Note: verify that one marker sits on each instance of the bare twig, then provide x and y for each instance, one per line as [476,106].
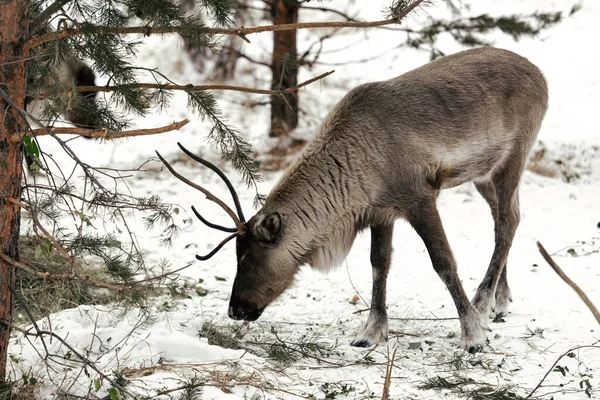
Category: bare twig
[37,223]
[402,333]
[42,333]
[556,362]
[105,133]
[388,374]
[569,282]
[161,276]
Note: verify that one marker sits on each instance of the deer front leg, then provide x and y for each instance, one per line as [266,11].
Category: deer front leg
[425,219]
[376,328]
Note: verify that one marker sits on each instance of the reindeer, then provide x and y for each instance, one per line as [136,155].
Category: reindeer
[384,152]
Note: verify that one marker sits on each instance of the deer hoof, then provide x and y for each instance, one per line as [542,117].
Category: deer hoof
[375,331]
[475,349]
[473,331]
[502,302]
[360,343]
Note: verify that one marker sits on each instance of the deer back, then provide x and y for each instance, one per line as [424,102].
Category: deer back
[453,120]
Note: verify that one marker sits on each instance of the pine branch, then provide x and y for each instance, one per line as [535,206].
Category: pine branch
[85,279]
[197,88]
[103,133]
[242,32]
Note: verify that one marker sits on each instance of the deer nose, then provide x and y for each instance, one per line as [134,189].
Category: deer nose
[243,310]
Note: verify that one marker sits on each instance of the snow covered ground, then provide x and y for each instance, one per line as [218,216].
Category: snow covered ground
[547,318]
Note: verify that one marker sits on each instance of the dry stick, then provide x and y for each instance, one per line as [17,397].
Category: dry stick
[402,333]
[569,282]
[556,362]
[104,133]
[370,351]
[166,274]
[388,374]
[37,223]
[241,31]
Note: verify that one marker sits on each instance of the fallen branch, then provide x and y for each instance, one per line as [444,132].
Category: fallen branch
[388,374]
[569,282]
[85,279]
[71,276]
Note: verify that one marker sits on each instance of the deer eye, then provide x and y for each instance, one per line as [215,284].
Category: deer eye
[244,263]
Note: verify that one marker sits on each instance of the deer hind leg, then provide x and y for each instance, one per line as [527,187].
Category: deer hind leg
[376,328]
[425,219]
[499,306]
[503,296]
[501,192]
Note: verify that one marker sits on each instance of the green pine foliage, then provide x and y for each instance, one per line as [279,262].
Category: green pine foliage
[91,32]
[473,31]
[108,51]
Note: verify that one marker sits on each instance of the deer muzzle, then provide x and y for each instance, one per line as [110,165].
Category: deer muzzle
[243,310]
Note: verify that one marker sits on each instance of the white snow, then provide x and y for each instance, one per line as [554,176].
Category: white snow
[161,349]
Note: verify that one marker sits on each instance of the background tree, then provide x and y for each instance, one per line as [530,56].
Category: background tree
[284,114]
[12,78]
[286,58]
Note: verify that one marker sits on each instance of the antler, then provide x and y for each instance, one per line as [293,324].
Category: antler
[210,224]
[214,251]
[239,221]
[236,199]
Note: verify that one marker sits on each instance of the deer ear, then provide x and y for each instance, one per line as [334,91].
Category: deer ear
[269,228]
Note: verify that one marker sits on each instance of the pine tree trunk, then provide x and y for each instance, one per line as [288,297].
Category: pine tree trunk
[283,120]
[12,81]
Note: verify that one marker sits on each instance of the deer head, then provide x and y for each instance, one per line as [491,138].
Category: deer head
[264,268]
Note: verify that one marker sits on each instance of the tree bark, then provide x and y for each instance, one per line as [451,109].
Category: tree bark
[284,119]
[12,81]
